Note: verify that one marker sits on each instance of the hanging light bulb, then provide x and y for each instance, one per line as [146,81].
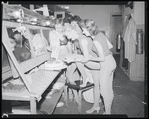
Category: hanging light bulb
[47,23]
[17,14]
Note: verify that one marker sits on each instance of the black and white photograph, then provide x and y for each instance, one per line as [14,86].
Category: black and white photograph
[78,59]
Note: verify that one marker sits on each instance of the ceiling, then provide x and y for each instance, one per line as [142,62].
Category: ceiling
[72,2]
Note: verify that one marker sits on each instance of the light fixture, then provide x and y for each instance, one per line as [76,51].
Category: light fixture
[65,7]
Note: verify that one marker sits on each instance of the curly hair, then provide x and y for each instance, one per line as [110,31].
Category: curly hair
[71,27]
[59,21]
[91,27]
[67,20]
[82,23]
[76,18]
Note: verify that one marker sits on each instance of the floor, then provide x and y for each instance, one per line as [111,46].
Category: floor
[128,98]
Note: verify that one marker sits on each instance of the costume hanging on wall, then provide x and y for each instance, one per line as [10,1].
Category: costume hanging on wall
[130,40]
[55,43]
[38,44]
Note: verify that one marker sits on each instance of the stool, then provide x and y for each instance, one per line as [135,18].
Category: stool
[79,92]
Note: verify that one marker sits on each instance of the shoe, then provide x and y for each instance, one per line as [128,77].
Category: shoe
[60,104]
[84,82]
[92,110]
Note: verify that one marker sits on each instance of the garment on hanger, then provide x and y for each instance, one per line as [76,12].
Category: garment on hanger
[54,43]
[127,18]
[130,40]
[38,45]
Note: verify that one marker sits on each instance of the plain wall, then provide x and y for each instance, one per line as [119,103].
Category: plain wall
[99,13]
[139,12]
[136,68]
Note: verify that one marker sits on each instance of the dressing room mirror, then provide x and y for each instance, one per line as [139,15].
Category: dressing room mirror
[37,41]
[6,70]
[19,44]
[5,62]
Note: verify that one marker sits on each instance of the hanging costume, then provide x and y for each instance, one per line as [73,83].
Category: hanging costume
[130,40]
[54,43]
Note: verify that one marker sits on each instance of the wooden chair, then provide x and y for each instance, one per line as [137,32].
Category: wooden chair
[79,90]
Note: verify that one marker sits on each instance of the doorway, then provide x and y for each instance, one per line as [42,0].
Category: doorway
[116,23]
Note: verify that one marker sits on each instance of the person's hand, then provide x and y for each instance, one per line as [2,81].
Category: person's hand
[49,48]
[83,60]
[52,59]
[68,60]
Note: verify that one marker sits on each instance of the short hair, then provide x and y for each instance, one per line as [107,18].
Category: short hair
[89,23]
[82,23]
[91,26]
[71,27]
[76,18]
[66,20]
[58,21]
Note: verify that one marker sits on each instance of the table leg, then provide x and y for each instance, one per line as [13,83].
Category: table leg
[66,96]
[79,101]
[33,105]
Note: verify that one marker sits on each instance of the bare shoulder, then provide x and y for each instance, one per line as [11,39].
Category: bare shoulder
[100,34]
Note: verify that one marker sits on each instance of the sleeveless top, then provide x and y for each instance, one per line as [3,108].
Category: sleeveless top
[89,45]
[100,37]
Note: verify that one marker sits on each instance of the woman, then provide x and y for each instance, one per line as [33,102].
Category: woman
[108,66]
[60,45]
[71,66]
[58,42]
[74,32]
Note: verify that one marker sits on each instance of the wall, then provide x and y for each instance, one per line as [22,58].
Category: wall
[139,12]
[99,13]
[136,68]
